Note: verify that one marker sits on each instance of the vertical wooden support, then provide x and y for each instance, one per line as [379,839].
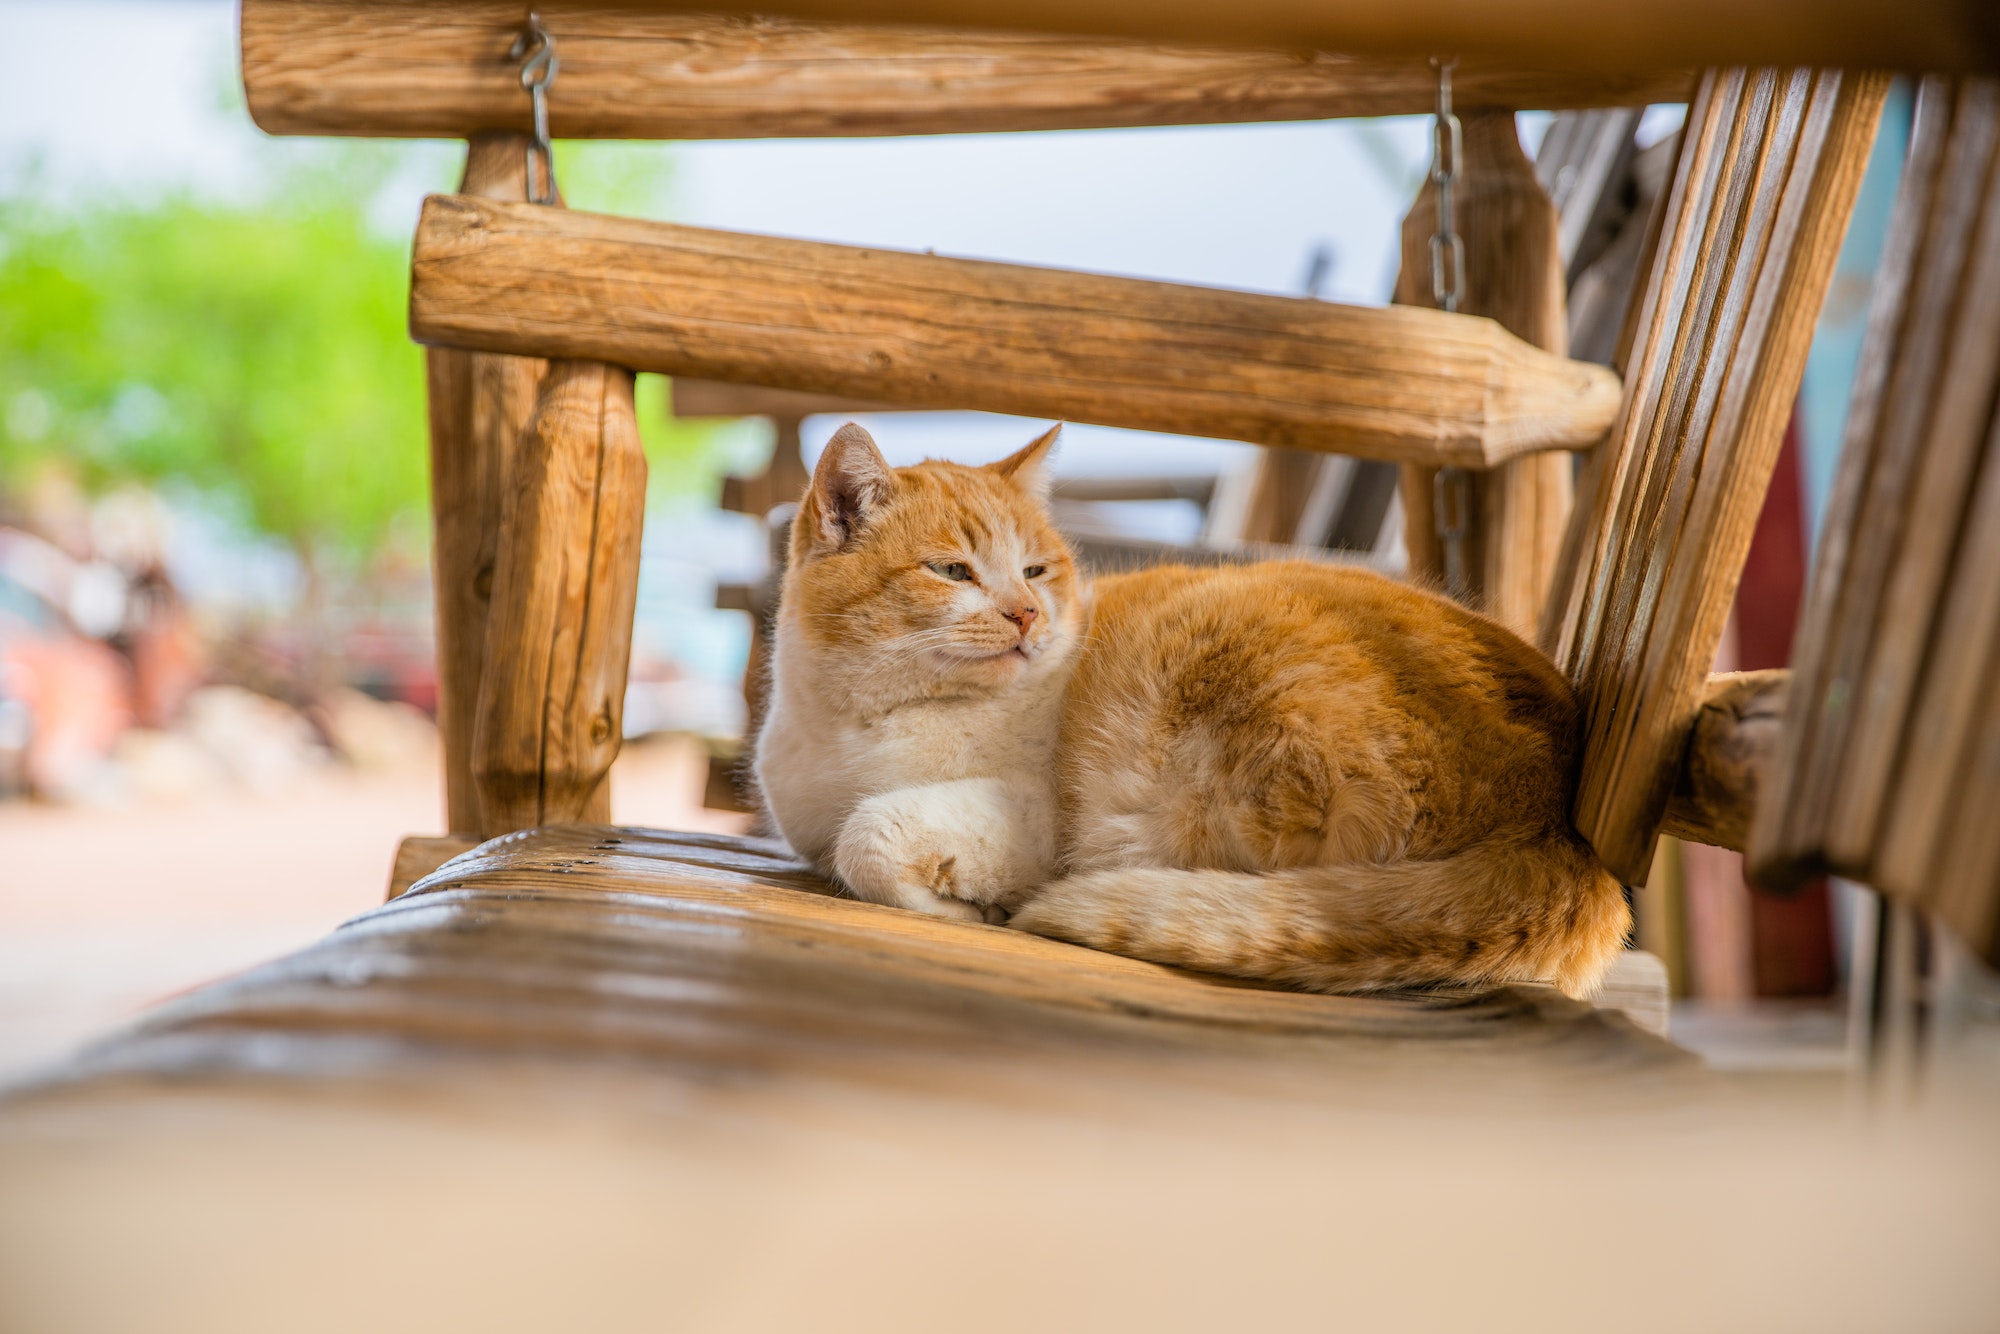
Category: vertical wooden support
[1768,169]
[479,402]
[559,635]
[1513,517]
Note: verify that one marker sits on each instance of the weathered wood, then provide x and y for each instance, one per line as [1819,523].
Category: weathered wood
[1397,384]
[413,68]
[1954,35]
[1729,751]
[479,401]
[1584,159]
[1890,768]
[552,701]
[418,855]
[1513,517]
[1767,173]
[715,398]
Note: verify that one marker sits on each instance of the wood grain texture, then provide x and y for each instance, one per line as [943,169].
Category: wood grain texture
[416,68]
[1640,35]
[1767,173]
[1789,833]
[715,398]
[1890,768]
[1729,751]
[923,330]
[420,854]
[726,956]
[479,401]
[551,704]
[1514,267]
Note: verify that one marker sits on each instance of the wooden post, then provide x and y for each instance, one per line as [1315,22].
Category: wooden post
[479,401]
[1513,517]
[559,636]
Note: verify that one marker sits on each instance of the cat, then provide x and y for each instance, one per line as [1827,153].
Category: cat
[1291,772]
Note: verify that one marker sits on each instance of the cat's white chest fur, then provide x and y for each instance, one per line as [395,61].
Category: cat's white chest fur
[951,797]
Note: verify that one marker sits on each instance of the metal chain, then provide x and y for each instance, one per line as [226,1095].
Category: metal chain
[1451,489]
[536,51]
[1447,151]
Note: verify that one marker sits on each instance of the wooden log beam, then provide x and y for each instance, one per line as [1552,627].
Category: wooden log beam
[1729,751]
[552,701]
[440,67]
[1398,384]
[1767,173]
[1946,35]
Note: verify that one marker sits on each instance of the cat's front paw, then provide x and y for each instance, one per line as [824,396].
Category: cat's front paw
[885,857]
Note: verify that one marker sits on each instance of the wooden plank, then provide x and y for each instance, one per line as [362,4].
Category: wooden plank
[415,68]
[552,701]
[1514,516]
[1397,384]
[1928,849]
[479,401]
[1767,175]
[1947,35]
[1729,751]
[1789,832]
[1890,767]
[1584,160]
[1942,433]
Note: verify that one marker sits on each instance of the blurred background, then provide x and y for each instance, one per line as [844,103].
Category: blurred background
[216,660]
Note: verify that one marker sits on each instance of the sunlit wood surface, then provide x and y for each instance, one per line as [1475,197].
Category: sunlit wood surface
[602,1078]
[636,944]
[1398,383]
[441,68]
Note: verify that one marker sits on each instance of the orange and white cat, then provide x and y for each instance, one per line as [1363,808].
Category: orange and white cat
[1289,771]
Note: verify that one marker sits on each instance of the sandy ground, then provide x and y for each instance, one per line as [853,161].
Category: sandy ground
[106,910]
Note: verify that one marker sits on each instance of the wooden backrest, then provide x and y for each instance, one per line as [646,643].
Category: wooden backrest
[1768,169]
[1889,766]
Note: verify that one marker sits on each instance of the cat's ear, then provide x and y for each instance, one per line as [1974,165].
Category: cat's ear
[1028,468]
[850,483]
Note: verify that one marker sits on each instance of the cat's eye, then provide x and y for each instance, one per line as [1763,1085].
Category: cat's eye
[956,570]
[1035,571]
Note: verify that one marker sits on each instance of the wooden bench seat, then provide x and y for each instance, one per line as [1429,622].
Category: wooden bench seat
[677,950]
[607,1078]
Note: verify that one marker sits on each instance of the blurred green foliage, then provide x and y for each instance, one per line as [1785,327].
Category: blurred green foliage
[257,350]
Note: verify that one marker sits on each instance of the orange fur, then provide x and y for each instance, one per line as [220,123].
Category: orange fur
[1288,771]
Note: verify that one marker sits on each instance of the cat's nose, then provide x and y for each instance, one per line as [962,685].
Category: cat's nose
[1023,616]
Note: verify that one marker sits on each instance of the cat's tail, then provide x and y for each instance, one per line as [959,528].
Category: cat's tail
[1488,915]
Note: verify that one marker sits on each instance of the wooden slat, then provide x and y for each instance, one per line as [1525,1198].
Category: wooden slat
[1514,516]
[479,402]
[1767,174]
[552,702]
[1568,34]
[1958,304]
[1791,825]
[1890,771]
[1395,384]
[440,67]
